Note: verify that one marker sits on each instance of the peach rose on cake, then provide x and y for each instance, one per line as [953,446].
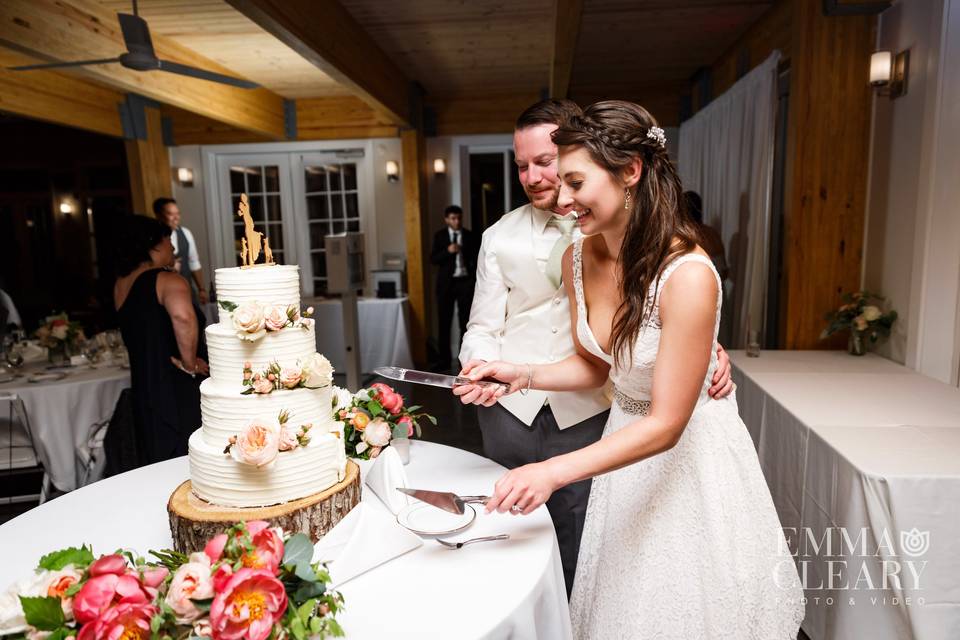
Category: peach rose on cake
[258,444]
[249,322]
[288,439]
[192,581]
[275,318]
[290,377]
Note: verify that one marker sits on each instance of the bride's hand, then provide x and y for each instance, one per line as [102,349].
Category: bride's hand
[487,395]
[527,487]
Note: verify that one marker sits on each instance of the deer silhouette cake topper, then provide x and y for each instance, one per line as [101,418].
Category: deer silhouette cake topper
[253,240]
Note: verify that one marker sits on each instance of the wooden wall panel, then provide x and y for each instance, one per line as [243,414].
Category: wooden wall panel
[487,113]
[148,162]
[829,143]
[771,32]
[414,175]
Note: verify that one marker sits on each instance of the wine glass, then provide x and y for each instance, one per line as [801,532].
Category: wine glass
[91,351]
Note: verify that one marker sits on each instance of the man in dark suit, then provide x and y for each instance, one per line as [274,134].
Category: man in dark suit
[455,251]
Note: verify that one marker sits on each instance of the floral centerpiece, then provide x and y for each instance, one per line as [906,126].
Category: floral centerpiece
[373,417]
[862,318]
[60,335]
[249,583]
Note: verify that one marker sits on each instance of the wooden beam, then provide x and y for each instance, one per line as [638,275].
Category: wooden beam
[58,98]
[414,175]
[83,29]
[828,145]
[463,115]
[148,162]
[565,32]
[325,33]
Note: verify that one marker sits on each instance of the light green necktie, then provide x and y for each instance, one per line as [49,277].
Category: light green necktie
[554,270]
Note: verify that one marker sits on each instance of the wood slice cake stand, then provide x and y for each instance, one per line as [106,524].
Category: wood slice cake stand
[194,521]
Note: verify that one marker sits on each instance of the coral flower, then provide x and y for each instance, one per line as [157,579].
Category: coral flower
[247,606]
[127,621]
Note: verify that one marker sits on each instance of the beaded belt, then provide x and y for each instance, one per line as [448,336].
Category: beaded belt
[630,405]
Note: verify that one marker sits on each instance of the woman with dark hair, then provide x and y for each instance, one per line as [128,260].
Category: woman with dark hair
[160,331]
[681,538]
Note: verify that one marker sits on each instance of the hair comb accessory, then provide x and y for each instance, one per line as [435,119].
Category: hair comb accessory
[657,134]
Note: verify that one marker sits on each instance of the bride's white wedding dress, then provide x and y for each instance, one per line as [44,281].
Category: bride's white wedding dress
[685,544]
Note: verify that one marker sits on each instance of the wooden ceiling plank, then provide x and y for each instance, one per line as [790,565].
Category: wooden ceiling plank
[325,33]
[566,31]
[82,29]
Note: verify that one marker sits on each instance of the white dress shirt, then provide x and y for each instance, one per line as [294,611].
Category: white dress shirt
[456,237]
[519,316]
[193,258]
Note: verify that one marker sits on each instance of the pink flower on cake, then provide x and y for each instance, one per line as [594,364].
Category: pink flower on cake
[377,433]
[317,372]
[258,444]
[288,439]
[127,620]
[290,377]
[249,322]
[262,385]
[276,318]
[388,398]
[248,606]
[191,582]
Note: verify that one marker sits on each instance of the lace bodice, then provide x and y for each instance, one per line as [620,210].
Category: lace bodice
[636,381]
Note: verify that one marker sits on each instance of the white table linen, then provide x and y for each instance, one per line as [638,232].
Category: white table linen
[496,590]
[62,414]
[384,337]
[866,446]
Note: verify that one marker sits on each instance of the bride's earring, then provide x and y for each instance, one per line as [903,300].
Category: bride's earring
[626,199]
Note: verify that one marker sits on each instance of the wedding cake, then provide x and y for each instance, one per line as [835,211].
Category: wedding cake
[268,436]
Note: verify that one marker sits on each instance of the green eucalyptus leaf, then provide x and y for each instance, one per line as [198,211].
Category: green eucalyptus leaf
[298,550]
[309,590]
[227,306]
[305,572]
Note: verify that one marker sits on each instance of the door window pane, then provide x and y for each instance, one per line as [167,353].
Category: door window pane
[349,176]
[316,178]
[272,179]
[317,208]
[333,206]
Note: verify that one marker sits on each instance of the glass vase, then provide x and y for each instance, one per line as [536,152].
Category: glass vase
[57,353]
[856,343]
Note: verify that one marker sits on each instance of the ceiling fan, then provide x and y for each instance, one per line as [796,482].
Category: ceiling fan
[141,57]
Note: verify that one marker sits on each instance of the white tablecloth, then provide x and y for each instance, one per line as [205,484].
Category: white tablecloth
[497,590]
[384,339]
[866,447]
[62,414]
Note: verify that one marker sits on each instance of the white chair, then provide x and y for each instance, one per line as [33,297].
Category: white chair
[91,458]
[18,455]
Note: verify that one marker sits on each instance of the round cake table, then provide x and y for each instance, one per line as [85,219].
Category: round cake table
[504,589]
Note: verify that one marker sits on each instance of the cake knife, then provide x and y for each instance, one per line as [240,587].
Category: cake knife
[432,379]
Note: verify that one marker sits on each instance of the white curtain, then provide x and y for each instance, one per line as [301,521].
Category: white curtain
[726,155]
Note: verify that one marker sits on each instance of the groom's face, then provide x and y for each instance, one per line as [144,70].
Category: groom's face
[536,158]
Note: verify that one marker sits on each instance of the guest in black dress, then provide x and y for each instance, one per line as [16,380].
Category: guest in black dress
[160,330]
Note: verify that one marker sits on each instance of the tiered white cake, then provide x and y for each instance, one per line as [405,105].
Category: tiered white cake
[215,475]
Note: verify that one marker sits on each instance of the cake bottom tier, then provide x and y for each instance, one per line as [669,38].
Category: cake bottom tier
[194,521]
[220,480]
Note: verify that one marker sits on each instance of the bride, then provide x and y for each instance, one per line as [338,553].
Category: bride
[681,537]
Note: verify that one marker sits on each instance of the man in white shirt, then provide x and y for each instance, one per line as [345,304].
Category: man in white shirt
[187,260]
[520,313]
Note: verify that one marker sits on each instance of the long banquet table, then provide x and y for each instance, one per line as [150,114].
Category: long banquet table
[862,457]
[497,590]
[62,413]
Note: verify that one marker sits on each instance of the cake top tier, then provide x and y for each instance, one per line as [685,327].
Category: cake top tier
[274,284]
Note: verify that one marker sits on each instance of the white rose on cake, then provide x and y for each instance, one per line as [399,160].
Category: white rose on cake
[317,372]
[249,322]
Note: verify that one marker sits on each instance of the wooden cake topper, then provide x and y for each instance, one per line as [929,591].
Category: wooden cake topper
[250,244]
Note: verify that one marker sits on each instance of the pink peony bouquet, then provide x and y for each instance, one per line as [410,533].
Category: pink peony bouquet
[249,583]
[373,417]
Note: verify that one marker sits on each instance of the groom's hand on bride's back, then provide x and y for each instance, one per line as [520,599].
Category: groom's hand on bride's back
[486,395]
[722,384]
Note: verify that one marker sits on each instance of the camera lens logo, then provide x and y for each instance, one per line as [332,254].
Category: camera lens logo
[914,542]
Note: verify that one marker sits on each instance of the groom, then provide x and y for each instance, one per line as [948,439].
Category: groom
[520,313]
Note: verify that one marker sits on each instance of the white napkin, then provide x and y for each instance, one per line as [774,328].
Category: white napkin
[385,475]
[363,540]
[33,352]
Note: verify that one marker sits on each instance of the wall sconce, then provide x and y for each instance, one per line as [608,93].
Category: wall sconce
[393,171]
[185,177]
[889,73]
[66,207]
[439,166]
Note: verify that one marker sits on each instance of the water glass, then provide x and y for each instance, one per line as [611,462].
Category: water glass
[753,344]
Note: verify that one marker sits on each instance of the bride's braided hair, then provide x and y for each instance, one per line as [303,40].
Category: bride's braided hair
[615,133]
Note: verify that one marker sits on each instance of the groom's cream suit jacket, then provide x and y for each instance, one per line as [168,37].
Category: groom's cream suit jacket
[519,316]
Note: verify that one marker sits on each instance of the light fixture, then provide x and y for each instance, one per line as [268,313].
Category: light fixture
[185,176]
[66,207]
[439,166]
[393,171]
[888,73]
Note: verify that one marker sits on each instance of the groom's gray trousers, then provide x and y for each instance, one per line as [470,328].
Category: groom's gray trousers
[508,441]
